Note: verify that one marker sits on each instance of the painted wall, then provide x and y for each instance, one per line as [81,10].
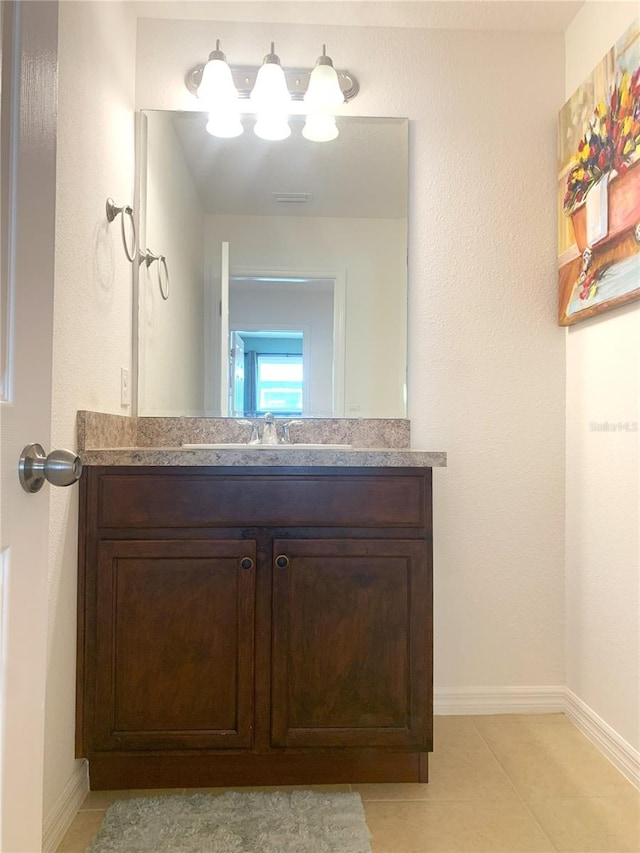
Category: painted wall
[486,358]
[92,312]
[371,256]
[603,467]
[171,331]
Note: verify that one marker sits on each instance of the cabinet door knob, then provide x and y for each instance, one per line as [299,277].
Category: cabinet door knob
[246,563]
[282,561]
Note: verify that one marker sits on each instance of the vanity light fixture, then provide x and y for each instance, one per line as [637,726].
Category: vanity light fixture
[271,90]
[322,98]
[218,91]
[271,99]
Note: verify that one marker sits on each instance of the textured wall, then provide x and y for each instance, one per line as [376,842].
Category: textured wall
[92,312]
[485,356]
[603,467]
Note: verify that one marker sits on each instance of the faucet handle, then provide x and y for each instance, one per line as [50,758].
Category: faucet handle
[286,438]
[254,431]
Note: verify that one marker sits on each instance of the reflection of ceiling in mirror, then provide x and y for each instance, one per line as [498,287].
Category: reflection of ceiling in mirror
[361,174]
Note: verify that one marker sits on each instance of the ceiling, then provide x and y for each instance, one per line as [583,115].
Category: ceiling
[511,15]
[361,174]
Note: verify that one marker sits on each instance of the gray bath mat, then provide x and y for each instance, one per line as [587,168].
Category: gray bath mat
[296,822]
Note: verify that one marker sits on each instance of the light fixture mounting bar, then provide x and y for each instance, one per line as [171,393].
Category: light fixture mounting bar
[244,78]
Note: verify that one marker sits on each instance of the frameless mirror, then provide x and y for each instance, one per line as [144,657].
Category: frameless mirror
[287,277]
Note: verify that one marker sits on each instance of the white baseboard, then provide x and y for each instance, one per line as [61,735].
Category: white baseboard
[620,753]
[500,700]
[61,816]
[544,700]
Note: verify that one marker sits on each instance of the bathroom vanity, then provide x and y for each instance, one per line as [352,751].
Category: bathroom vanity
[254,624]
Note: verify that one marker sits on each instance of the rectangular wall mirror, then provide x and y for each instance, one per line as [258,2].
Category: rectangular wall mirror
[287,270]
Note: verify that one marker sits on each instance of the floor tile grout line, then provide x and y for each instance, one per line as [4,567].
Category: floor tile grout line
[515,788]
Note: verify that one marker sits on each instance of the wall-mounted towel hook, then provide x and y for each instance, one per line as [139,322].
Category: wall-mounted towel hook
[112,211]
[147,257]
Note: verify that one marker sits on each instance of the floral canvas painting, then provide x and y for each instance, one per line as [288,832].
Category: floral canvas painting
[599,187]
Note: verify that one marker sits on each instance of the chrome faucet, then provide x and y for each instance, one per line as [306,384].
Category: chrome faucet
[269,431]
[286,438]
[254,431]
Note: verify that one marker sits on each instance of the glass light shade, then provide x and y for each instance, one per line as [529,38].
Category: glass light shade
[320,128]
[270,92]
[225,125]
[324,94]
[216,85]
[272,126]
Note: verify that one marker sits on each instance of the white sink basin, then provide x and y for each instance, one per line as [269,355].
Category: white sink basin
[231,446]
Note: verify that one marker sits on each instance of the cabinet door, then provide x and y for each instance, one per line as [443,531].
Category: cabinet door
[174,645]
[352,654]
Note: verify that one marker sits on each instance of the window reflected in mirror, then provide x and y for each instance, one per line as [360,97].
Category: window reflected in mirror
[267,373]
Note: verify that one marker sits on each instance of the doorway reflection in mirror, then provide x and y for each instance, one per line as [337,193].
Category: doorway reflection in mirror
[283,346]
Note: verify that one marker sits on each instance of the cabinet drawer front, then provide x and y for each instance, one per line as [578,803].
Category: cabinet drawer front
[351,500]
[351,644]
[174,645]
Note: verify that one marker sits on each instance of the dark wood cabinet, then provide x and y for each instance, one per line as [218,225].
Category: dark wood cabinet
[254,626]
[348,666]
[174,645]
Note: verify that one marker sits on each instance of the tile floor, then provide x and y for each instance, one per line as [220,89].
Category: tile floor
[501,784]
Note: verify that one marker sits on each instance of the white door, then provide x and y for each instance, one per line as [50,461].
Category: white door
[27,189]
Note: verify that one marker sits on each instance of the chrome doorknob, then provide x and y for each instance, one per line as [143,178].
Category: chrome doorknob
[60,468]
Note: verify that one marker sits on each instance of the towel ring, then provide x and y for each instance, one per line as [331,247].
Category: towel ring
[148,258]
[112,211]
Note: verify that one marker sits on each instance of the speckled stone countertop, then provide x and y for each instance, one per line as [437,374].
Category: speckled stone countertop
[105,439]
[277,456]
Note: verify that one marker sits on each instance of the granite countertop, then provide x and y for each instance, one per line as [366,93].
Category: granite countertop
[105,439]
[283,456]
